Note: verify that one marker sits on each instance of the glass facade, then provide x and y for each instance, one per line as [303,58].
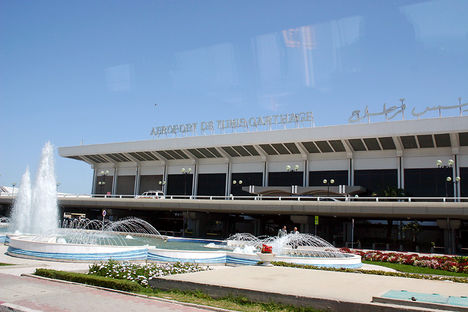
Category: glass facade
[464,182]
[316,177]
[179,184]
[253,178]
[428,182]
[375,181]
[126,185]
[104,184]
[150,182]
[285,178]
[212,184]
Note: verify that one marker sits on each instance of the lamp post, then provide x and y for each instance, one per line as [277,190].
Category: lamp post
[327,183]
[449,180]
[102,183]
[161,184]
[238,182]
[58,184]
[440,164]
[13,191]
[291,170]
[185,172]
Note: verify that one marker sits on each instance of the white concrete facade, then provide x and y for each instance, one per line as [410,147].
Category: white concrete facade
[445,137]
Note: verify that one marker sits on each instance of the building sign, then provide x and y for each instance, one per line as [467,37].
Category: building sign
[243,124]
[392,111]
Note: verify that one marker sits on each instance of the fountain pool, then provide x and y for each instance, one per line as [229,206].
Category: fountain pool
[35,233]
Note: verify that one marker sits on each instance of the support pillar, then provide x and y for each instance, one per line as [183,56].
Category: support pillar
[195,180]
[95,175]
[165,178]
[137,181]
[115,181]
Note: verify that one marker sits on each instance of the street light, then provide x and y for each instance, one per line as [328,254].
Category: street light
[161,184]
[449,180]
[13,191]
[327,183]
[235,182]
[440,164]
[291,170]
[58,184]
[185,173]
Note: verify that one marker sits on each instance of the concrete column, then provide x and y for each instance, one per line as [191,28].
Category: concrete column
[351,172]
[115,180]
[195,179]
[456,173]
[165,178]
[399,173]
[258,227]
[306,173]
[265,174]
[228,179]
[137,181]
[93,187]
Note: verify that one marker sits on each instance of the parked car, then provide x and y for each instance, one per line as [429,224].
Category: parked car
[152,195]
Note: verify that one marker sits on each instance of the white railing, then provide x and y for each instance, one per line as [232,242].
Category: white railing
[328,199]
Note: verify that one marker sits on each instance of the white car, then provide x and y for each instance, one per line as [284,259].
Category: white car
[152,195]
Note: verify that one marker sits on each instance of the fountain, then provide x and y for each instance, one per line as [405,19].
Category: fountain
[36,235]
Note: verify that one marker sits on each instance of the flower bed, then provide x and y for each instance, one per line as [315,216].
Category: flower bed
[446,263]
[141,273]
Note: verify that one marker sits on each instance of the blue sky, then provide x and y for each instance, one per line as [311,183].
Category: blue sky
[91,71]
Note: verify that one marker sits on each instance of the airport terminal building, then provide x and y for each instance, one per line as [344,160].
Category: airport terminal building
[400,154]
[423,157]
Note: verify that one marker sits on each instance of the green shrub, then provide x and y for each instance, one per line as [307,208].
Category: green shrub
[90,280]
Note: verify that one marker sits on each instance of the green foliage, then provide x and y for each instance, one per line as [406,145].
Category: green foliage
[90,280]
[392,191]
[376,272]
[141,273]
[415,269]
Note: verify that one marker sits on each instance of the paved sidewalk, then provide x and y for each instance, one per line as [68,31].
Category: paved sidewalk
[313,284]
[43,295]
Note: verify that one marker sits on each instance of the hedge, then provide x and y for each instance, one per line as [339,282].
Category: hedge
[101,281]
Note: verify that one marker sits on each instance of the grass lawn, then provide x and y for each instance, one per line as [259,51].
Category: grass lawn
[415,269]
[231,303]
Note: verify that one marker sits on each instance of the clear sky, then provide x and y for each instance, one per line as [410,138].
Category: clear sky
[91,71]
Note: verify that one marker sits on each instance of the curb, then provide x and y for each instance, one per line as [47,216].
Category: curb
[325,304]
[193,305]
[11,307]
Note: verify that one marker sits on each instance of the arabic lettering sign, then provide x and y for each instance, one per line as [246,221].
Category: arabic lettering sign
[238,123]
[392,111]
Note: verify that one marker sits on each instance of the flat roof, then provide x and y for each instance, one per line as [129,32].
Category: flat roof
[349,138]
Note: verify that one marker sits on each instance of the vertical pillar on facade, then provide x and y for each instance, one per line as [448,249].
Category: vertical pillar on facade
[306,173]
[137,181]
[195,179]
[228,179]
[93,187]
[399,172]
[115,180]
[456,173]
[164,188]
[265,174]
[351,172]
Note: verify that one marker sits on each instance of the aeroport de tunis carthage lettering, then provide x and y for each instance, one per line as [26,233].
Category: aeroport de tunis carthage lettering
[238,123]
